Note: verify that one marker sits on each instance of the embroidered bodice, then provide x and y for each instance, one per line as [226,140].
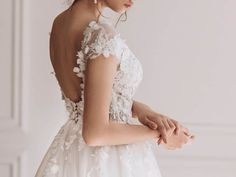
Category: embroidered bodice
[102,38]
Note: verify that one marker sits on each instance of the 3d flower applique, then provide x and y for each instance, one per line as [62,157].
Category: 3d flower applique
[76,69]
[81,64]
[87,36]
[86,49]
[80,55]
[94,25]
[82,67]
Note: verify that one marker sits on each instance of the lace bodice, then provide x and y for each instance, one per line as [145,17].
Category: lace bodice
[102,38]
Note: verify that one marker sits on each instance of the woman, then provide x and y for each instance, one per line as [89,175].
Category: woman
[98,75]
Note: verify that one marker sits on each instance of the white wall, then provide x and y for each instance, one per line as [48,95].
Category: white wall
[12,137]
[188,57]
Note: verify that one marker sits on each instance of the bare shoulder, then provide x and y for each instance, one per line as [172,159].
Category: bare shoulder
[58,19]
[69,26]
[56,23]
[68,21]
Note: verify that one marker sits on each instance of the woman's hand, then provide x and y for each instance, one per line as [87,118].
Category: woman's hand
[154,120]
[177,141]
[164,124]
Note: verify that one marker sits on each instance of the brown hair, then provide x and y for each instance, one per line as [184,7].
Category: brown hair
[102,15]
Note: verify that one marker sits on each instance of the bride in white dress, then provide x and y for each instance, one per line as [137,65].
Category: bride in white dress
[108,133]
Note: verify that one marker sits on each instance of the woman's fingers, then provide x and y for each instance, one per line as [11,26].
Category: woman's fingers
[159,126]
[186,130]
[172,126]
[186,133]
[166,124]
[192,138]
[162,130]
[177,126]
[166,128]
[169,130]
[151,124]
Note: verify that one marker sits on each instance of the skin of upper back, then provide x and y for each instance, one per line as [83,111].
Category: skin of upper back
[65,41]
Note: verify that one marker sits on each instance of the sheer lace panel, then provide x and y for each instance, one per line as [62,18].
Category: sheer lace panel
[99,39]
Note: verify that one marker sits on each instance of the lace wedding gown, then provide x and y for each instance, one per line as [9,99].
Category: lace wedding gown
[68,155]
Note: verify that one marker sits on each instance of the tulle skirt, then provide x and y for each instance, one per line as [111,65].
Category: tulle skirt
[69,156]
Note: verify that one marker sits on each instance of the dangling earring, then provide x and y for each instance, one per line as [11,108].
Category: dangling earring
[95,1]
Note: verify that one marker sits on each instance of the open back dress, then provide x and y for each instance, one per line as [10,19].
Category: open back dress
[68,155]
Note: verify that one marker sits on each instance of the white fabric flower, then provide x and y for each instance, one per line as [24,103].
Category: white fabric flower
[86,49]
[80,54]
[76,69]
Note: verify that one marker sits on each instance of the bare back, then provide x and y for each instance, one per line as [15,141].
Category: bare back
[65,41]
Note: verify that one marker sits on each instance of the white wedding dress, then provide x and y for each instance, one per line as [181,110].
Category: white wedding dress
[68,155]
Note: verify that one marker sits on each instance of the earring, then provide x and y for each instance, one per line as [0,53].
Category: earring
[95,1]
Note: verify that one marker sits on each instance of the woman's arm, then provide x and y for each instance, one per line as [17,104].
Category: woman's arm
[117,133]
[98,130]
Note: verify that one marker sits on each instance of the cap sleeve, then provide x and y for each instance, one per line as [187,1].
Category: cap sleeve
[101,39]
